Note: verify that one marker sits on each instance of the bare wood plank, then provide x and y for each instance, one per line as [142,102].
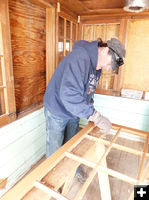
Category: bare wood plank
[3,183]
[50,43]
[65,36]
[124,14]
[130,130]
[117,146]
[120,176]
[71,35]
[111,172]
[49,191]
[93,173]
[6,119]
[143,158]
[68,183]
[67,16]
[42,3]
[6,43]
[103,178]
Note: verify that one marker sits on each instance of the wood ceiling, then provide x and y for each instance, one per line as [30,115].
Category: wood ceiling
[85,7]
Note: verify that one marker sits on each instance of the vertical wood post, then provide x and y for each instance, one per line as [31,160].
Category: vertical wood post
[50,43]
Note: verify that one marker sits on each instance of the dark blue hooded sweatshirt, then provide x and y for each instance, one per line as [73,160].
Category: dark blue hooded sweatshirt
[70,90]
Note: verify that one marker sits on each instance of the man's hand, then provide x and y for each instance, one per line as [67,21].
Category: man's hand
[102,122]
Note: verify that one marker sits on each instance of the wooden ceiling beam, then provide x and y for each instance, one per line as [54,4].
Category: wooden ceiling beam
[112,11]
[74,6]
[42,3]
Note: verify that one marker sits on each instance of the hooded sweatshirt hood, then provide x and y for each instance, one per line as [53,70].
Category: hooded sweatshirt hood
[91,48]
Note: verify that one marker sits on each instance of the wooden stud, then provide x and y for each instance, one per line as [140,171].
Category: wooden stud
[65,36]
[50,43]
[71,35]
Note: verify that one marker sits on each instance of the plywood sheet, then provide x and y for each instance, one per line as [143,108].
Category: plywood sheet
[27,23]
[137,60]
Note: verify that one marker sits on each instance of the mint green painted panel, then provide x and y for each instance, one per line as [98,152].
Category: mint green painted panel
[14,131]
[16,148]
[123,111]
[124,104]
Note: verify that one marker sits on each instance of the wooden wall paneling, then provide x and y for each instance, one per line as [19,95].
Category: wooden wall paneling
[28,37]
[88,32]
[118,80]
[100,31]
[112,30]
[50,43]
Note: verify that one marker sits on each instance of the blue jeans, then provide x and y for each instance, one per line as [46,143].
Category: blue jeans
[58,131]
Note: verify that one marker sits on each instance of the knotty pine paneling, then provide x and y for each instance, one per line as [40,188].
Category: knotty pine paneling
[28,37]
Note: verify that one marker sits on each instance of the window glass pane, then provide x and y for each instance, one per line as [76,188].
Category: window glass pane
[67,46]
[74,32]
[61,28]
[68,30]
[2,102]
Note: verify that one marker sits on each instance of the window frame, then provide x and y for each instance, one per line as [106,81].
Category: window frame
[72,21]
[7,67]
